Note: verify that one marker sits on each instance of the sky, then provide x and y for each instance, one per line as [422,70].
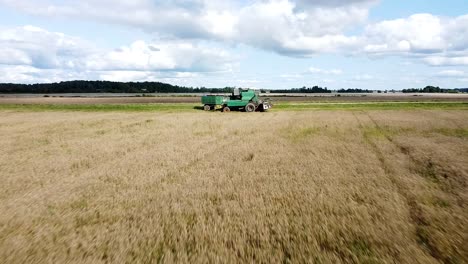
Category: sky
[269,44]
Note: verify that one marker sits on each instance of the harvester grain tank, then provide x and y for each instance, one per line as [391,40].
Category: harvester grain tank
[241,99]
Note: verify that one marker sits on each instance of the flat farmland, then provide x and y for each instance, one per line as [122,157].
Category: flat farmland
[323,186]
[195,98]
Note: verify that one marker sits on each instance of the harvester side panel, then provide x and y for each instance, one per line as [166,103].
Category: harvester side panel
[212,100]
[237,103]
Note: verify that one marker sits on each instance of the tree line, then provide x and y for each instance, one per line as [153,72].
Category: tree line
[128,87]
[431,89]
[318,89]
[105,87]
[354,90]
[159,87]
[314,89]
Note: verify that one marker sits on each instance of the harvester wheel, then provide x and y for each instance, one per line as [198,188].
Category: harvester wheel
[250,108]
[226,109]
[207,108]
[261,108]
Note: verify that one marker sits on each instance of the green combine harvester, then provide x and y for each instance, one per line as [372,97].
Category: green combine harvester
[247,100]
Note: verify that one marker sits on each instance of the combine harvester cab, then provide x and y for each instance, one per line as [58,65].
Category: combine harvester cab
[247,100]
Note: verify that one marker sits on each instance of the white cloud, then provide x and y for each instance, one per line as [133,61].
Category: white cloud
[436,40]
[185,31]
[32,54]
[313,70]
[125,76]
[37,47]
[446,60]
[291,76]
[363,77]
[14,73]
[292,27]
[186,75]
[180,18]
[30,74]
[136,76]
[452,73]
[420,33]
[163,56]
[279,26]
[14,56]
[220,23]
[315,3]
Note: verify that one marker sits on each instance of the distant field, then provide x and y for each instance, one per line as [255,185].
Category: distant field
[195,98]
[362,186]
[278,106]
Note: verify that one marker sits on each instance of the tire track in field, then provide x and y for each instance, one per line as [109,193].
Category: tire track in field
[426,169]
[446,179]
[414,209]
[40,195]
[171,176]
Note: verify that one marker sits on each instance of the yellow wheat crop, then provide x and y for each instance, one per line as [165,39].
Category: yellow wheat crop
[309,186]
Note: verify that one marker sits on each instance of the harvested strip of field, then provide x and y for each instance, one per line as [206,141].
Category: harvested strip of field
[101,100]
[195,98]
[371,105]
[101,107]
[196,107]
[285,186]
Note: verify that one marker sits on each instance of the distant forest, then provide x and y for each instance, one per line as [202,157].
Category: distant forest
[315,89]
[133,87]
[354,91]
[433,89]
[158,87]
[105,87]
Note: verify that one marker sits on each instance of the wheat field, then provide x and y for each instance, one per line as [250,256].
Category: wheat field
[196,187]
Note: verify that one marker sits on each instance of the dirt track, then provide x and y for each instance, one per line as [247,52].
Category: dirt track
[8,99]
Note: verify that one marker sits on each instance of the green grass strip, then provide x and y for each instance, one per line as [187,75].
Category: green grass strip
[372,106]
[184,107]
[99,107]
